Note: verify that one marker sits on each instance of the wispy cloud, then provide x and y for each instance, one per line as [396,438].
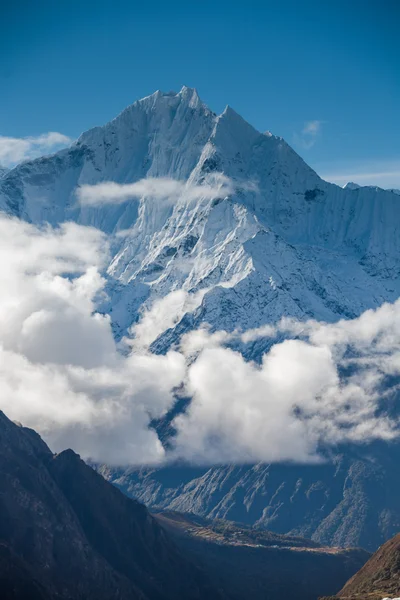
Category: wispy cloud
[308,135]
[160,188]
[15,150]
[311,128]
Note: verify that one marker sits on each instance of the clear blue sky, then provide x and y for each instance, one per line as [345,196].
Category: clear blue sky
[325,74]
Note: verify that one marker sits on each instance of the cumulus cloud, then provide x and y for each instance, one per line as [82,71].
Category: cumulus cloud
[15,150]
[159,188]
[309,134]
[61,372]
[326,387]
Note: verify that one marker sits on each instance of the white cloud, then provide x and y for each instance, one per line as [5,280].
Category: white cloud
[311,128]
[299,397]
[308,135]
[15,150]
[365,178]
[241,413]
[160,188]
[383,179]
[60,371]
[251,335]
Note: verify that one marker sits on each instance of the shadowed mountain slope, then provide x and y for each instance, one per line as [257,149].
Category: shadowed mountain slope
[66,533]
[349,501]
[260,565]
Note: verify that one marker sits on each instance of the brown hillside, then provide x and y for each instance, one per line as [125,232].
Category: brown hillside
[379,578]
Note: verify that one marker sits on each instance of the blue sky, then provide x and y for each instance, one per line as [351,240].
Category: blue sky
[325,74]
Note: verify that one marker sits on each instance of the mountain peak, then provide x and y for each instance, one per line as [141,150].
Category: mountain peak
[186,95]
[232,134]
[191,96]
[350,185]
[237,124]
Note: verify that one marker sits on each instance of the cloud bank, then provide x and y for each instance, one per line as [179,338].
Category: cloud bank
[15,150]
[61,372]
[328,386]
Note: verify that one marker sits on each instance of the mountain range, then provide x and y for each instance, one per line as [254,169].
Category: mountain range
[256,236]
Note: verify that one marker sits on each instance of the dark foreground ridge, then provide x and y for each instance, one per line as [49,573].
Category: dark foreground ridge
[68,534]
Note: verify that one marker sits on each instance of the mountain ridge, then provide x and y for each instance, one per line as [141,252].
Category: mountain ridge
[66,533]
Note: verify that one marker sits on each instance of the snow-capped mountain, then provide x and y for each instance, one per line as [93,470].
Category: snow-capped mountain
[281,242]
[272,239]
[350,185]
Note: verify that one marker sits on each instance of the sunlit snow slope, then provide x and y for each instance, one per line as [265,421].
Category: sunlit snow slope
[283,242]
